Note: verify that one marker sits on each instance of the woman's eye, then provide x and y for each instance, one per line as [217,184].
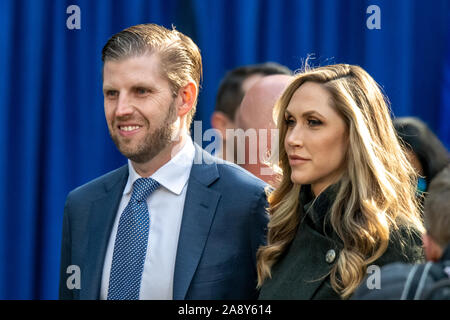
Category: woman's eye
[314,122]
[289,122]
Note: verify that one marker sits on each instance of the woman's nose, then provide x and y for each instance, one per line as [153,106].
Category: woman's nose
[294,138]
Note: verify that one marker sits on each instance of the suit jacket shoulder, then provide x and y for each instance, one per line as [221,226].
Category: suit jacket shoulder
[96,188]
[228,172]
[88,217]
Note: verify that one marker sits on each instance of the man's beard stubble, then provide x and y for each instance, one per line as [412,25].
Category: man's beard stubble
[153,143]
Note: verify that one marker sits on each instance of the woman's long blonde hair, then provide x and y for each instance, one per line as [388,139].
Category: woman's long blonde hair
[377,190]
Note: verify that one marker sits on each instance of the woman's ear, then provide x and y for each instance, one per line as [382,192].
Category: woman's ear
[188,95]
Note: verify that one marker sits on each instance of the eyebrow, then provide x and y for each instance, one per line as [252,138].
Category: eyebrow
[133,87]
[306,113]
[107,87]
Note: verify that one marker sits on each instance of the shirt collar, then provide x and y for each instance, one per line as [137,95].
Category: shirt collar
[173,175]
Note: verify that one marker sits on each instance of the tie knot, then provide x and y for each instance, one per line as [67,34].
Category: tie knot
[143,187]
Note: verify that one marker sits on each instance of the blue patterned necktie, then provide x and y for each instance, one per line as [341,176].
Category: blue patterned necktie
[130,246]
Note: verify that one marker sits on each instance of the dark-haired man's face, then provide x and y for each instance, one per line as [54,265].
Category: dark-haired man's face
[139,107]
[246,85]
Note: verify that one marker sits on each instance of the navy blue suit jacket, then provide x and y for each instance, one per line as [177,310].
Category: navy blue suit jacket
[224,222]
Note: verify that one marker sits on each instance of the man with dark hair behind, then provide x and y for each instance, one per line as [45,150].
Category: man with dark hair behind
[425,151]
[421,281]
[231,92]
[255,114]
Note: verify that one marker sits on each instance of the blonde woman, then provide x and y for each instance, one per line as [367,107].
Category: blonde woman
[346,199]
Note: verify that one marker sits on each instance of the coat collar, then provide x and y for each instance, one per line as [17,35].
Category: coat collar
[316,210]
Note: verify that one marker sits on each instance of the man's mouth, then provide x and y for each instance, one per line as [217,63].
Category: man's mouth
[128,128]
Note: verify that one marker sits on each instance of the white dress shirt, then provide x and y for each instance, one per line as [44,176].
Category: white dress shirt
[166,210]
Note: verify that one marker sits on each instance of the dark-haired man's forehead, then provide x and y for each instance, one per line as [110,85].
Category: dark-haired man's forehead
[250,81]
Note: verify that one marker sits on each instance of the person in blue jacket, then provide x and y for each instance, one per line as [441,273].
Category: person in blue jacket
[174,222]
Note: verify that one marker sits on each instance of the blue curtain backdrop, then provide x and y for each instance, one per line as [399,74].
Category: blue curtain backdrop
[53,136]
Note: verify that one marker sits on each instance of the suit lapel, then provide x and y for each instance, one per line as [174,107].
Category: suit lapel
[101,220]
[198,214]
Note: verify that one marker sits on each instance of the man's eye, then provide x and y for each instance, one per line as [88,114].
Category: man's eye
[142,91]
[111,93]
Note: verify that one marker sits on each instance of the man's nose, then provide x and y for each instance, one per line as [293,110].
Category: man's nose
[124,106]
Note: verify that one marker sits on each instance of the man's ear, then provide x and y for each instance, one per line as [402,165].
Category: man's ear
[221,122]
[188,95]
[433,251]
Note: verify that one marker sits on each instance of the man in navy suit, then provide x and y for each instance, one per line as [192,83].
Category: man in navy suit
[175,222]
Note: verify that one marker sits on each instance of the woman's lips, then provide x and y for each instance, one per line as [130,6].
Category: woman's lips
[297,160]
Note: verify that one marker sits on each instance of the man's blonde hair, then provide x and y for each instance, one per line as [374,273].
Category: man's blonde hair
[181,61]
